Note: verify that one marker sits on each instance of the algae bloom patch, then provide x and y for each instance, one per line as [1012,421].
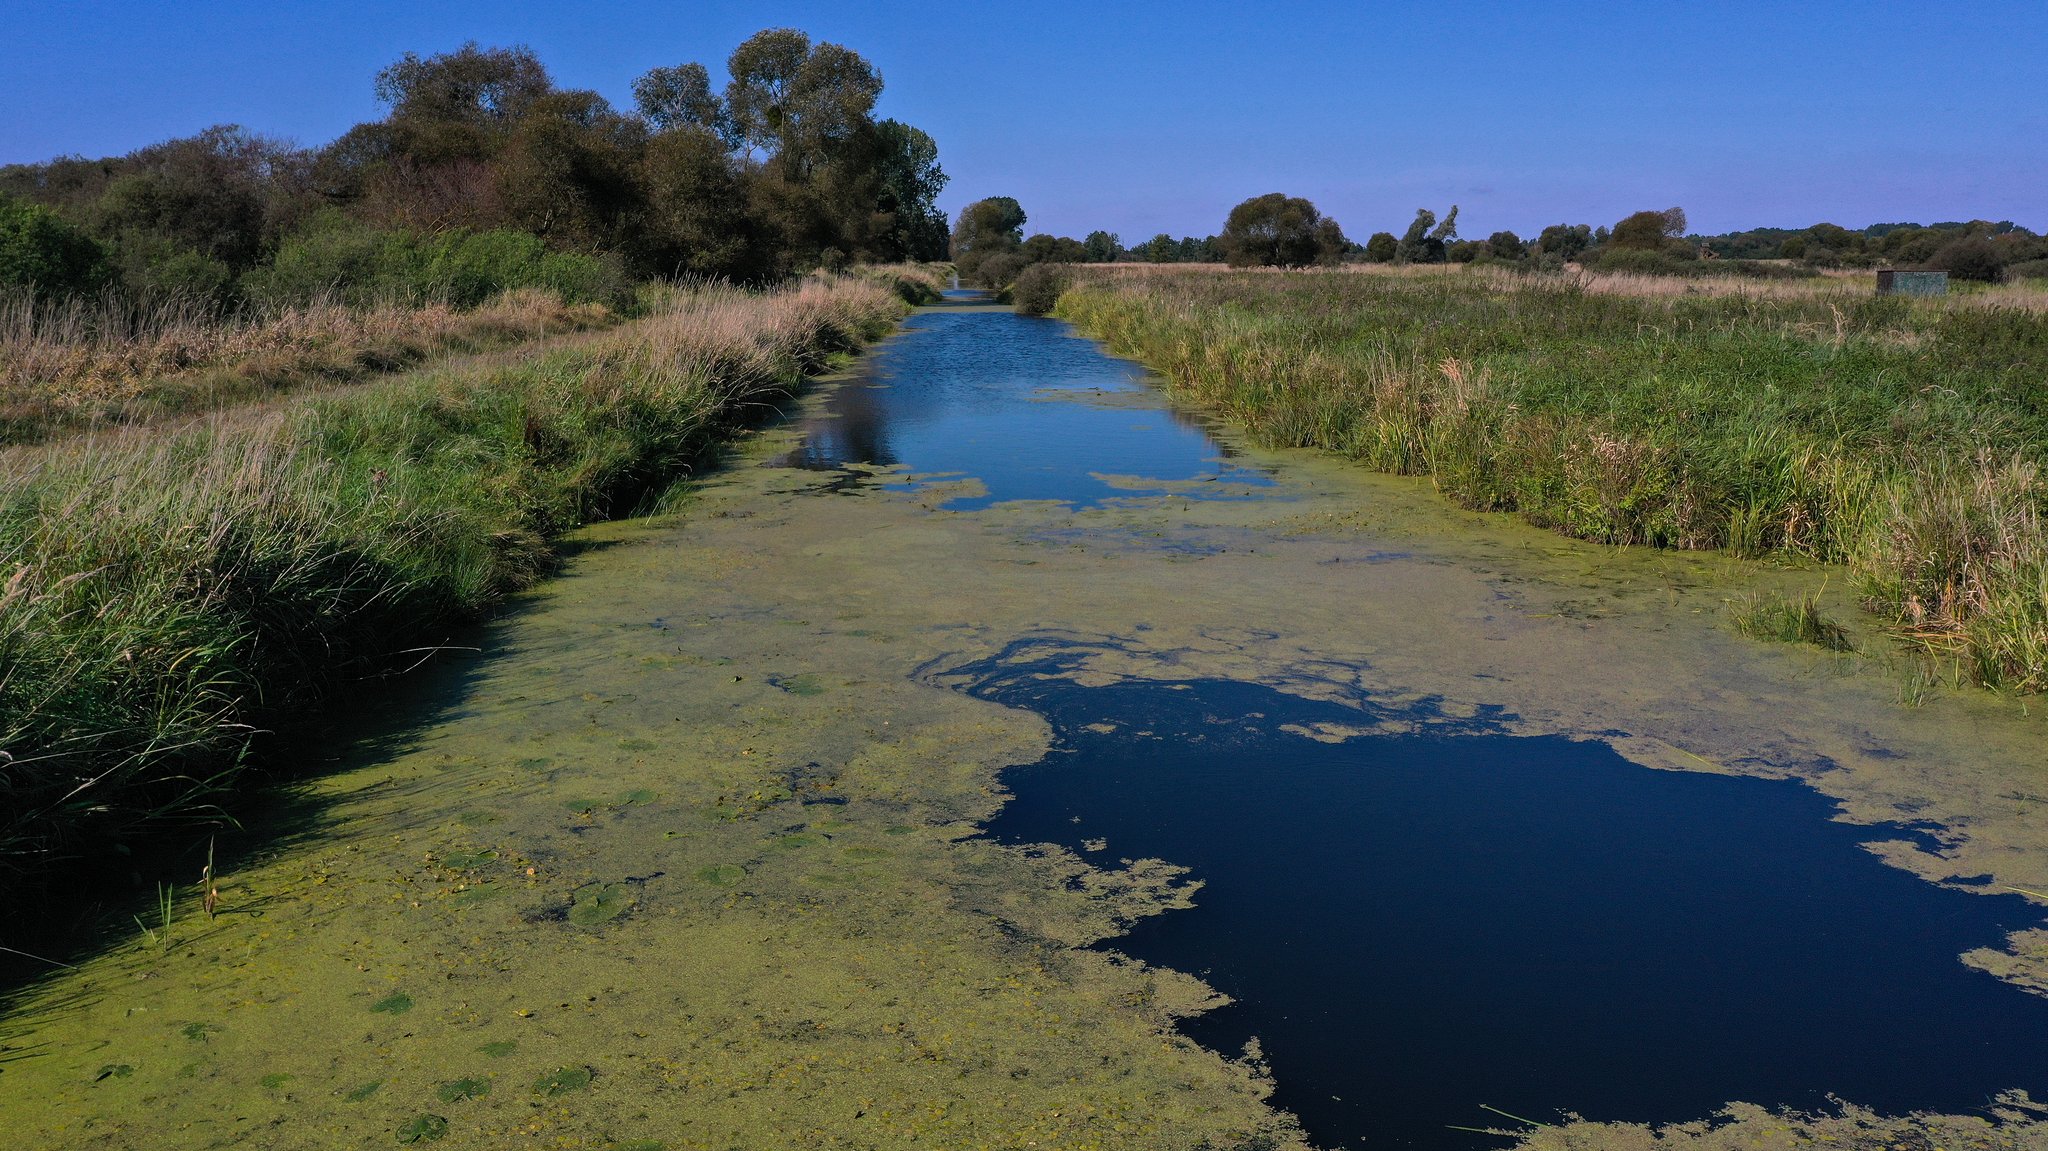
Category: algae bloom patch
[596,903]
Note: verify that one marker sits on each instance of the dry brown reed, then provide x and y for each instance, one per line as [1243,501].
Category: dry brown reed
[83,361]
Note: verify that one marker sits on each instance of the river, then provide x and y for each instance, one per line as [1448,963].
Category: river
[894,789]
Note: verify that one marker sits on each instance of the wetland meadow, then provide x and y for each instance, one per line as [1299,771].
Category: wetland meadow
[631,620]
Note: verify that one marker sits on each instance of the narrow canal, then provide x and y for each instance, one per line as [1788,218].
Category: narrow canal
[890,793]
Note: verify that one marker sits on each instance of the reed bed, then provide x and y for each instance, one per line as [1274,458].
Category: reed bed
[167,593]
[80,362]
[1902,438]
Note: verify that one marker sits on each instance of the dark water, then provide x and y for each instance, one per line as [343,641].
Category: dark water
[1416,926]
[1017,402]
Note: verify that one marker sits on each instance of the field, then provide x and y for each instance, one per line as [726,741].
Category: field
[1901,438]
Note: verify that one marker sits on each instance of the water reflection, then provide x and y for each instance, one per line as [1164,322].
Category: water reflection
[1020,404]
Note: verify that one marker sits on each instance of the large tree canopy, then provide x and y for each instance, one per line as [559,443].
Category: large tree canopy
[1278,230]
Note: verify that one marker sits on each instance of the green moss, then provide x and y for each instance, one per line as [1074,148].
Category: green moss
[396,1003]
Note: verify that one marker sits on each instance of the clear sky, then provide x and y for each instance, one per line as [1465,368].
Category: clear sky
[1147,116]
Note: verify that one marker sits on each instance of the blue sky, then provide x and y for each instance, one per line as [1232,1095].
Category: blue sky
[1142,117]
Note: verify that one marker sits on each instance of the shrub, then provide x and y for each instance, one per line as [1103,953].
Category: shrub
[362,265]
[2028,270]
[1971,258]
[1038,288]
[40,251]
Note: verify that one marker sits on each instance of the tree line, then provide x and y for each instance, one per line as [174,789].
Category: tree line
[1277,230]
[483,173]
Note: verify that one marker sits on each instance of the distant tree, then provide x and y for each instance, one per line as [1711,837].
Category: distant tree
[1447,230]
[1103,247]
[1565,241]
[985,229]
[1044,248]
[1160,249]
[1973,257]
[1506,246]
[1427,240]
[1277,230]
[1647,231]
[678,97]
[40,251]
[1380,249]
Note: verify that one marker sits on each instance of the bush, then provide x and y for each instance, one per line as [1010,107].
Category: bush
[1636,261]
[362,265]
[1038,288]
[999,270]
[40,251]
[2028,270]
[1970,258]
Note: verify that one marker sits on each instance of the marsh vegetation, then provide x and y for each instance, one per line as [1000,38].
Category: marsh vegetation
[172,591]
[1902,439]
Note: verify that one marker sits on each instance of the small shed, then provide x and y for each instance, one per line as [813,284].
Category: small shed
[1905,282]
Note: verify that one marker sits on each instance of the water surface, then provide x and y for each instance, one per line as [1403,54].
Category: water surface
[1018,403]
[1416,926]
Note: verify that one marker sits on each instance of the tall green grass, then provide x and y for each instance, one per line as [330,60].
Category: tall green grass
[1902,438]
[166,593]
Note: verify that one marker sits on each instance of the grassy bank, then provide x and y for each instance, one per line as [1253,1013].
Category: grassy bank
[164,593]
[1902,438]
[73,363]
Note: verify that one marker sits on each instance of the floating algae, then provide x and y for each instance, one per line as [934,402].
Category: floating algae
[423,1129]
[461,1089]
[563,1080]
[595,903]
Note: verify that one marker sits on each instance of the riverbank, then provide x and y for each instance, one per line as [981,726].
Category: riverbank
[171,592]
[1901,438]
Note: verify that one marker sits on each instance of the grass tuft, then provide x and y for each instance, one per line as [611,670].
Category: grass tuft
[1770,616]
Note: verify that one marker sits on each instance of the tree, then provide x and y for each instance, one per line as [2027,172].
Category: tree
[696,209]
[1647,231]
[1103,247]
[985,230]
[1506,246]
[1426,240]
[679,97]
[1276,230]
[796,102]
[911,182]
[1160,249]
[568,171]
[1565,241]
[1973,257]
[1380,249]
